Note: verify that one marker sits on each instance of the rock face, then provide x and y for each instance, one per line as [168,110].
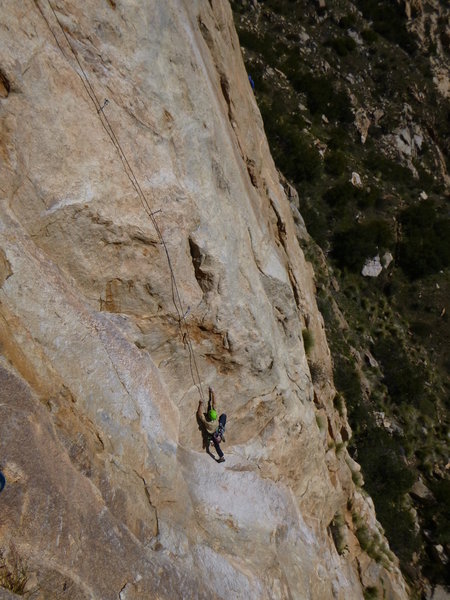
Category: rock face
[109,491]
[429,20]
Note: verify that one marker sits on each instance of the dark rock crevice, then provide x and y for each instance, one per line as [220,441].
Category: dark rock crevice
[5,85]
[204,278]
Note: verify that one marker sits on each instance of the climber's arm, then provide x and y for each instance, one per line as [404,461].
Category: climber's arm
[200,414]
[212,398]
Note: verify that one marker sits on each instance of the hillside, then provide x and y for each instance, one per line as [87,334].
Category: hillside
[355,101]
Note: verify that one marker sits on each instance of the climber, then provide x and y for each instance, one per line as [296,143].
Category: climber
[252,83]
[2,481]
[213,429]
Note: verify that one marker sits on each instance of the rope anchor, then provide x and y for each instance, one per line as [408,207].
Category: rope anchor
[105,103]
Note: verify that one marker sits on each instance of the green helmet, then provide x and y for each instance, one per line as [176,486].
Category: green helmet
[212,414]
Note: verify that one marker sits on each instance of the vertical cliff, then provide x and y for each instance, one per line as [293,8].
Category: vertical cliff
[129,134]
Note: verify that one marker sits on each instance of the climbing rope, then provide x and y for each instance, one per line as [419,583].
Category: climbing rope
[176,297]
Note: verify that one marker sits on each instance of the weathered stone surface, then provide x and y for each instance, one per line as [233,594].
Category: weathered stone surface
[429,20]
[438,593]
[420,491]
[356,179]
[110,493]
[5,595]
[372,267]
[362,123]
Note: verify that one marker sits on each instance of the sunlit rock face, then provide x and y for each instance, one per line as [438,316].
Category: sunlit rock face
[130,134]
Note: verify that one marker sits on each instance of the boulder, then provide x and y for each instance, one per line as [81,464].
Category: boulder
[372,267]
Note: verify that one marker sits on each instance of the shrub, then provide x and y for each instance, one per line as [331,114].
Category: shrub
[13,575]
[405,382]
[387,475]
[294,154]
[358,480]
[370,593]
[317,225]
[321,423]
[354,245]
[335,163]
[338,532]
[339,404]
[421,328]
[364,537]
[318,374]
[369,36]
[262,44]
[298,159]
[388,479]
[338,139]
[389,20]
[340,448]
[251,40]
[347,379]
[425,245]
[344,194]
[342,45]
[282,7]
[348,21]
[389,169]
[322,96]
[308,340]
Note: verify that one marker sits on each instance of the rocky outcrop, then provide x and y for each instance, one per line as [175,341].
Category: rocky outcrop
[129,135]
[429,20]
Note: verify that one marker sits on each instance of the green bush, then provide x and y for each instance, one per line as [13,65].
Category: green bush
[389,20]
[321,421]
[262,44]
[338,532]
[348,384]
[404,380]
[282,7]
[316,222]
[298,158]
[293,152]
[342,45]
[322,97]
[369,36]
[425,246]
[251,40]
[421,328]
[308,340]
[344,193]
[436,520]
[339,404]
[340,195]
[336,163]
[371,593]
[348,21]
[389,169]
[338,139]
[354,245]
[387,480]
[318,373]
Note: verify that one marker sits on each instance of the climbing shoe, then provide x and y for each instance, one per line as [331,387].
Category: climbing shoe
[221,459]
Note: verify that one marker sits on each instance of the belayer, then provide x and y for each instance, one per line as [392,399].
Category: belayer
[214,429]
